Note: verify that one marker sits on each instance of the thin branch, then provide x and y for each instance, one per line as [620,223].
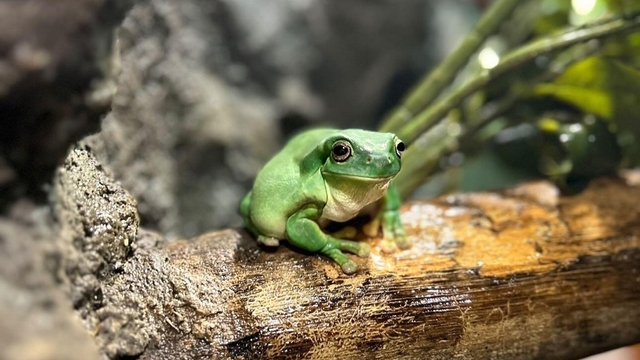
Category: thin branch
[432,85]
[423,156]
[427,118]
[525,90]
[444,137]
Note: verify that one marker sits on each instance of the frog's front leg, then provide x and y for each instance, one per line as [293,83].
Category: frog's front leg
[393,234]
[304,232]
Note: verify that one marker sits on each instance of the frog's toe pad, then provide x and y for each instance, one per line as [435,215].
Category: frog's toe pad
[387,246]
[372,228]
[403,243]
[349,267]
[364,250]
[268,241]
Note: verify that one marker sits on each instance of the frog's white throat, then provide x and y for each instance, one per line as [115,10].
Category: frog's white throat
[347,195]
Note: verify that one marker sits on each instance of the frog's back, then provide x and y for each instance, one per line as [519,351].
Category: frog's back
[279,188]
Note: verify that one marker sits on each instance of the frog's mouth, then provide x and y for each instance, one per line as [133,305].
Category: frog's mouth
[358,178]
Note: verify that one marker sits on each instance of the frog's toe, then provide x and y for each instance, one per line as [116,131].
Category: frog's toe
[400,238]
[387,245]
[372,228]
[402,242]
[364,250]
[268,241]
[348,232]
[349,267]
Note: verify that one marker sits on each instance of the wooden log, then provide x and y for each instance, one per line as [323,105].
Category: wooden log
[522,274]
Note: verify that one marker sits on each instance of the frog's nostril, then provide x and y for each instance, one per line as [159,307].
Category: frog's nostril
[369,159]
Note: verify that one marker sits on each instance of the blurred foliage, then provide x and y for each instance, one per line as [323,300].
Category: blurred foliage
[606,88]
[568,115]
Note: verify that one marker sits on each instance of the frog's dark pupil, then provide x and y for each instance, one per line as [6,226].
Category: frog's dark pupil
[400,146]
[340,150]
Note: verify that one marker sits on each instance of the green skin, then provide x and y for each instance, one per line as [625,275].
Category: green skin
[311,182]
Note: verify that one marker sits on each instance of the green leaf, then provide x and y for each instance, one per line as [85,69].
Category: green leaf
[604,87]
[589,100]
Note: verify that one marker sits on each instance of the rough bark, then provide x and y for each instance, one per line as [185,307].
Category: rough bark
[522,274]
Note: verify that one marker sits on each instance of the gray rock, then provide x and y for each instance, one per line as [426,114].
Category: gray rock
[207,90]
[98,223]
[36,313]
[53,56]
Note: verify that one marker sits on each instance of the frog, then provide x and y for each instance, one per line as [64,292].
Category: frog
[327,175]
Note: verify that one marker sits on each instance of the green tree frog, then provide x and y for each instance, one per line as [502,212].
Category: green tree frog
[325,175]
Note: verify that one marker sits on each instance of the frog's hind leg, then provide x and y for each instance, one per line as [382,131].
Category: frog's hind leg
[244,211]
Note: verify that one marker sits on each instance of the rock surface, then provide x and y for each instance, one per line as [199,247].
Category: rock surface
[54,58]
[36,313]
[207,89]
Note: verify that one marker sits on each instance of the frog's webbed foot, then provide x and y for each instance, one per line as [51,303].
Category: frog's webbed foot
[334,250]
[347,265]
[268,241]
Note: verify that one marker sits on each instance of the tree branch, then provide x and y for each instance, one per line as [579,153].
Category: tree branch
[524,274]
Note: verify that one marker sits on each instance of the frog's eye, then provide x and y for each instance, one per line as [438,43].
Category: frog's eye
[341,151]
[400,147]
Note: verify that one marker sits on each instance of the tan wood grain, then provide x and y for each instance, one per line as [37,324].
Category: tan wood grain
[521,274]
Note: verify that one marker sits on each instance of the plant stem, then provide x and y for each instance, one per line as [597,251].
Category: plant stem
[422,158]
[427,118]
[432,85]
[555,68]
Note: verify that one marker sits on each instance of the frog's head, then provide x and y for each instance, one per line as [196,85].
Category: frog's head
[358,169]
[363,154]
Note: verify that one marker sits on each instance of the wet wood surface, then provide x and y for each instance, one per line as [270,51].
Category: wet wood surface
[521,274]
